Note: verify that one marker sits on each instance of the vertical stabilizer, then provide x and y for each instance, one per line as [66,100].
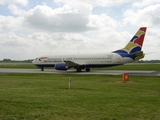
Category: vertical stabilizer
[133,48]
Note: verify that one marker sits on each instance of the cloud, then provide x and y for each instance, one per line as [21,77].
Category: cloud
[12,46]
[104,3]
[65,19]
[68,18]
[72,27]
[21,2]
[10,23]
[16,10]
[144,3]
[10,40]
[148,16]
[41,43]
[101,21]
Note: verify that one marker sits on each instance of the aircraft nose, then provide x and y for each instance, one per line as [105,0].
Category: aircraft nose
[34,61]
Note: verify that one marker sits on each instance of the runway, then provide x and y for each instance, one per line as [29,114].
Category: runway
[106,72]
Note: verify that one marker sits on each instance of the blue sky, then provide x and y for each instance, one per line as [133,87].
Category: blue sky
[29,29]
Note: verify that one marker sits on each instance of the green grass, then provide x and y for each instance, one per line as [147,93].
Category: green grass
[134,66]
[91,97]
[17,65]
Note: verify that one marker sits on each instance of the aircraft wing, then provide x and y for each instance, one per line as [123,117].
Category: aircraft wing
[71,64]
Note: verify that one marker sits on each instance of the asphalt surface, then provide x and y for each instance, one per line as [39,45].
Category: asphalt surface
[107,72]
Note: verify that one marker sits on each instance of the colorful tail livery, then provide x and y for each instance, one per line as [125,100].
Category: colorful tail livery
[133,48]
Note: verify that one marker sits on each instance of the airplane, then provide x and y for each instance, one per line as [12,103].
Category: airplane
[130,53]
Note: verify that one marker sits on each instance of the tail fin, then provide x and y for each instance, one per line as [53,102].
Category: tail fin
[133,48]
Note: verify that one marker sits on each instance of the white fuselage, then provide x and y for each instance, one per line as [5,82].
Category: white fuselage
[91,60]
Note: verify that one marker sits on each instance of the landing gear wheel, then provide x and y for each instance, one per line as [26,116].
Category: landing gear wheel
[87,69]
[79,70]
[42,68]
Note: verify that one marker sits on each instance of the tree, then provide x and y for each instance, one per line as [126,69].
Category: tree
[6,60]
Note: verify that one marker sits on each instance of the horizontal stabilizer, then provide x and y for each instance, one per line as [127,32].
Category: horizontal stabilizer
[137,55]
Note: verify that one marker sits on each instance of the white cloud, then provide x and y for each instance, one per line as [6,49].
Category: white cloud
[12,46]
[71,27]
[63,19]
[144,3]
[108,3]
[69,18]
[21,2]
[40,43]
[101,21]
[9,23]
[148,16]
[16,10]
[10,40]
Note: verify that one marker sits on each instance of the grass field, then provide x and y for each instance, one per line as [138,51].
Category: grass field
[91,97]
[18,65]
[134,66]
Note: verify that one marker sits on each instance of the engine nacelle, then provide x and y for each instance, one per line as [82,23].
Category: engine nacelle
[60,66]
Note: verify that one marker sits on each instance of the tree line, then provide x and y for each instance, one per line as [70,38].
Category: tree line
[14,61]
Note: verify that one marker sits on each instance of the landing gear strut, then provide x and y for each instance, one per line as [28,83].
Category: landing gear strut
[79,70]
[87,69]
[42,68]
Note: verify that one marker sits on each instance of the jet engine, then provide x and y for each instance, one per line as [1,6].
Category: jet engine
[60,66]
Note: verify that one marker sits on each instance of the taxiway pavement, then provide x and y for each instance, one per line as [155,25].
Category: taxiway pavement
[107,72]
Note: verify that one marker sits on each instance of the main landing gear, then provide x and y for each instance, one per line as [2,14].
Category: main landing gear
[42,68]
[79,69]
[87,69]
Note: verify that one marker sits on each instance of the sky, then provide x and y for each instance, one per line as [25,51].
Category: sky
[34,28]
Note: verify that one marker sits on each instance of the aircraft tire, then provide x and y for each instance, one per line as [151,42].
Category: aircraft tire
[42,68]
[87,69]
[79,70]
